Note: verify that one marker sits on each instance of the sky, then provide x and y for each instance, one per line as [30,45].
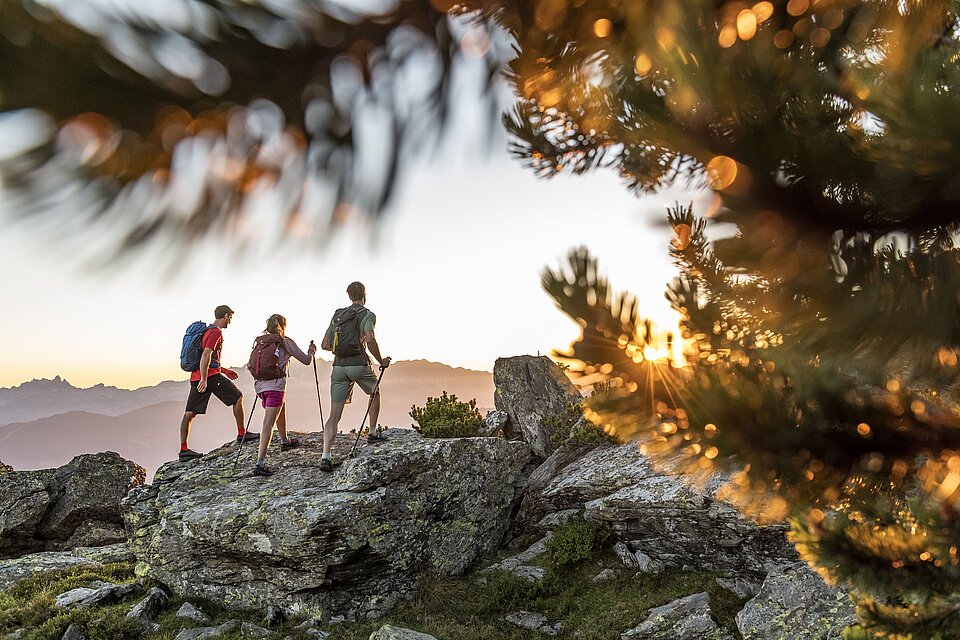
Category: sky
[452,273]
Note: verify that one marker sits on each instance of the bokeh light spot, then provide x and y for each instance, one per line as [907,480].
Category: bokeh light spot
[602,28]
[722,172]
[746,24]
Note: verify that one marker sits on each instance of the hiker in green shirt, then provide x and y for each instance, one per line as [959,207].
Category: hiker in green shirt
[349,336]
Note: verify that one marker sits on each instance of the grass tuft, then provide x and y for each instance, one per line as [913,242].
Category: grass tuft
[469,607]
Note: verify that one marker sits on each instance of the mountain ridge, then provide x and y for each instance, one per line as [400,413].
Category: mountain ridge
[144,426]
[31,400]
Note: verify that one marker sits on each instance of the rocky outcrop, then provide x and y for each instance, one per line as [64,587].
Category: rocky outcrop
[688,618]
[535,394]
[75,505]
[5,468]
[795,603]
[24,499]
[346,543]
[14,570]
[660,520]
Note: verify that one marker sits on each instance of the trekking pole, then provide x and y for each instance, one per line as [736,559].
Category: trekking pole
[244,436]
[369,404]
[317,378]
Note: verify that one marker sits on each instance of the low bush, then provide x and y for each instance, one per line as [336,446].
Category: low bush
[569,426]
[447,417]
[576,541]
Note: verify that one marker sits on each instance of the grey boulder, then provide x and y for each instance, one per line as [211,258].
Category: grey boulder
[191,612]
[665,520]
[75,505]
[249,630]
[659,520]
[202,633]
[72,633]
[795,603]
[387,632]
[495,424]
[535,550]
[95,596]
[684,619]
[743,588]
[147,609]
[274,616]
[24,498]
[534,622]
[348,543]
[530,389]
[87,492]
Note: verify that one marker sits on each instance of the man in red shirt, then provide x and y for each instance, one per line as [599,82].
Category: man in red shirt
[210,378]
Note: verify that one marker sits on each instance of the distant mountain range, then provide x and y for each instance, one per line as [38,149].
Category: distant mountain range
[44,398]
[44,423]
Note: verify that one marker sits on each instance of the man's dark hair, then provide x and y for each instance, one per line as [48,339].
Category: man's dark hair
[222,311]
[356,291]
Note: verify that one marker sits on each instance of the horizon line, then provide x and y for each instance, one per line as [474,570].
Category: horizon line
[237,368]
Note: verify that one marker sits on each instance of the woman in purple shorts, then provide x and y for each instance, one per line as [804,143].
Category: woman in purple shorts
[271,393]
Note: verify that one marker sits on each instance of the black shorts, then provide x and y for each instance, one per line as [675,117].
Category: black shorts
[217,384]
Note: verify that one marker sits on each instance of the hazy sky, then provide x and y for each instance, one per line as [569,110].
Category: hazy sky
[452,273]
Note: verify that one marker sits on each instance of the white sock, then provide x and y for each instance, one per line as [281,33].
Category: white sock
[327,456]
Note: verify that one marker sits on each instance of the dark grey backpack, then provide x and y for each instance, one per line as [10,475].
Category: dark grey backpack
[347,337]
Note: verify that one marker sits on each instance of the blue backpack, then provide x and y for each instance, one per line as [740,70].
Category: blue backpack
[192,347]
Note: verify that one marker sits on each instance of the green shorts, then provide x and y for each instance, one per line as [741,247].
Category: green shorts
[342,379]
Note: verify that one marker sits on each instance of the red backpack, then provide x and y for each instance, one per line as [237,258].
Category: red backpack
[264,363]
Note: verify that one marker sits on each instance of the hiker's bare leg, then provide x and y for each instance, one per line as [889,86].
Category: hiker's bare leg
[269,418]
[330,429]
[374,412]
[282,422]
[238,414]
[188,417]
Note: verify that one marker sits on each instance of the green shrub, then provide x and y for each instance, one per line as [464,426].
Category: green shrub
[567,426]
[588,433]
[576,541]
[94,624]
[447,417]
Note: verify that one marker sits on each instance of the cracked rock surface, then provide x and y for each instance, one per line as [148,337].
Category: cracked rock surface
[76,505]
[529,389]
[688,618]
[659,519]
[795,603]
[347,543]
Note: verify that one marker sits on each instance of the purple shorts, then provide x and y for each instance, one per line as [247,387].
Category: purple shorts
[271,399]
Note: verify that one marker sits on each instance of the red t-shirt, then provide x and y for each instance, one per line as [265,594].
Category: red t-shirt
[212,339]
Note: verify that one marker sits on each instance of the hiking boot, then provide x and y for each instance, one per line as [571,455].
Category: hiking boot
[189,454]
[249,436]
[291,443]
[375,438]
[263,470]
[326,464]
